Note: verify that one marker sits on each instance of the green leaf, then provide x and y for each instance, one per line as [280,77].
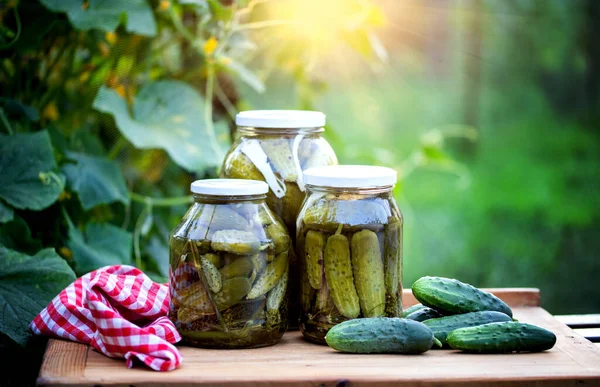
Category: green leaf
[27,285]
[16,235]
[167,115]
[106,15]
[158,253]
[246,75]
[101,244]
[27,178]
[6,213]
[14,107]
[96,180]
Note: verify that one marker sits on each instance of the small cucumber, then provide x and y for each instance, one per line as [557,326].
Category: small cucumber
[232,292]
[212,275]
[270,277]
[442,326]
[502,337]
[368,273]
[451,296]
[314,246]
[338,273]
[411,309]
[380,335]
[424,314]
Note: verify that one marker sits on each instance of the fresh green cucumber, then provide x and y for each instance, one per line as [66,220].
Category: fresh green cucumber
[380,335]
[502,337]
[411,309]
[442,326]
[451,296]
[424,314]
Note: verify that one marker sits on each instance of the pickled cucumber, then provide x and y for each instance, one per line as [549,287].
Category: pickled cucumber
[276,295]
[232,292]
[270,277]
[313,246]
[241,267]
[338,273]
[280,156]
[236,242]
[239,166]
[291,203]
[393,268]
[307,292]
[212,275]
[363,214]
[259,261]
[215,259]
[368,271]
[280,237]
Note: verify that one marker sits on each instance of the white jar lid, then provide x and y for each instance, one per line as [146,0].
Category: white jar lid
[351,176]
[229,187]
[280,119]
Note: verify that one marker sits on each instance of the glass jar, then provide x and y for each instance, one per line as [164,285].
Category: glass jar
[229,267]
[276,146]
[349,243]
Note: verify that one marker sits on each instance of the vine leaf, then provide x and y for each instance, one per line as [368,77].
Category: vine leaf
[27,285]
[106,15]
[101,244]
[96,180]
[16,235]
[245,75]
[27,178]
[6,213]
[167,115]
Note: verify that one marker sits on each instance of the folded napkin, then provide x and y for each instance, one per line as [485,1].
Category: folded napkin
[119,311]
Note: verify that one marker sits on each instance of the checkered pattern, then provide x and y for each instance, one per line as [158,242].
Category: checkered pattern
[120,312]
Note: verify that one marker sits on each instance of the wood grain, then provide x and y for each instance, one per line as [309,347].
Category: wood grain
[295,362]
[63,361]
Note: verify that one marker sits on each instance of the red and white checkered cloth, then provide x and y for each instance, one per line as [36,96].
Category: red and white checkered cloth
[120,312]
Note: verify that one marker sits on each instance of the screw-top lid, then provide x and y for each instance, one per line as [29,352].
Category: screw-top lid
[280,119]
[350,176]
[229,187]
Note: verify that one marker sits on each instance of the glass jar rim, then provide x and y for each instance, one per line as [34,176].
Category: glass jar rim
[280,119]
[229,187]
[351,176]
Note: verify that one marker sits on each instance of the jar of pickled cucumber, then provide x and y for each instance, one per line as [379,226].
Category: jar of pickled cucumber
[276,146]
[349,244]
[229,267]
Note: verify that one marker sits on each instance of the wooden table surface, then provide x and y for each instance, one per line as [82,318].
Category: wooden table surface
[574,360]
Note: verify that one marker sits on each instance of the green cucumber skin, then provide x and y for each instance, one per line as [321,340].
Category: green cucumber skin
[380,335]
[502,337]
[424,314]
[451,296]
[442,326]
[411,309]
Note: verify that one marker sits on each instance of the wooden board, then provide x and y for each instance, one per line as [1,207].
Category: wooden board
[295,362]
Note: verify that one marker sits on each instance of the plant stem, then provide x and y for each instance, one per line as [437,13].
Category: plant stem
[114,151]
[231,109]
[9,128]
[18,34]
[208,109]
[161,202]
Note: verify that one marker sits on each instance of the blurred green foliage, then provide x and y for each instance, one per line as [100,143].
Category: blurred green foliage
[517,203]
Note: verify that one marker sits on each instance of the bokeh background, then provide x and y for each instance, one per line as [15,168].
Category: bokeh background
[489,110]
[511,90]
